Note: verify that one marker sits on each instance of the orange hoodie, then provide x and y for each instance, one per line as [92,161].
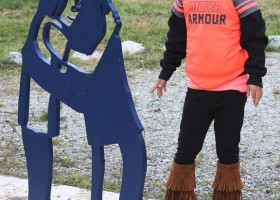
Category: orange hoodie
[214,54]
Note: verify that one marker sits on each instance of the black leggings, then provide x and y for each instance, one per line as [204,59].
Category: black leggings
[201,107]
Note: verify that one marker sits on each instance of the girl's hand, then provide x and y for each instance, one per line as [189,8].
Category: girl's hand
[256,93]
[160,86]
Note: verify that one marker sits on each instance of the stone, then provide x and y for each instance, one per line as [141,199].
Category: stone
[16,188]
[15,57]
[96,55]
[130,47]
[274,40]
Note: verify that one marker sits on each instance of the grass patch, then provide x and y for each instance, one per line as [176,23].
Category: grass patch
[12,162]
[7,67]
[150,16]
[56,141]
[79,179]
[272,48]
[44,116]
[243,170]
[271,13]
[207,196]
[199,158]
[73,179]
[276,91]
[111,186]
[10,5]
[144,21]
[64,161]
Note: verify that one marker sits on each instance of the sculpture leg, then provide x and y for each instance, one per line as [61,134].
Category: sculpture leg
[98,165]
[134,168]
[39,158]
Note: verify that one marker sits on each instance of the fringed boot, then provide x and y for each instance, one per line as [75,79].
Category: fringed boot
[227,184]
[181,183]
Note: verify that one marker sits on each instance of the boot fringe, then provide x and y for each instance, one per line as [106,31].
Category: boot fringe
[221,195]
[228,178]
[179,195]
[182,178]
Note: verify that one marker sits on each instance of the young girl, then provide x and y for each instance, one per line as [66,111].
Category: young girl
[223,42]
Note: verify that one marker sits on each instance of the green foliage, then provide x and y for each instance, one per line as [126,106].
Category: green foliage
[149,16]
[7,67]
[73,179]
[56,141]
[272,20]
[144,21]
[272,48]
[44,116]
[16,4]
[111,186]
[79,179]
[8,64]
[64,162]
[199,158]
[271,13]
[12,5]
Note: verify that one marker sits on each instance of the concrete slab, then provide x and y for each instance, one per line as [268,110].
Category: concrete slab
[12,188]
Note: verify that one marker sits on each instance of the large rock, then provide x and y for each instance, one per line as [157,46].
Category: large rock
[274,40]
[14,57]
[96,55]
[130,47]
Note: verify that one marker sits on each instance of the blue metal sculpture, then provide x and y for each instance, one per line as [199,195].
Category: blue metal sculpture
[102,96]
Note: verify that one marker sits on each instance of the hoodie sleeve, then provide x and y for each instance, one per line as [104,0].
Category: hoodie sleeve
[253,40]
[175,46]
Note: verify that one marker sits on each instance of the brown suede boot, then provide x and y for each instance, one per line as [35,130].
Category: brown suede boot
[181,183]
[227,184]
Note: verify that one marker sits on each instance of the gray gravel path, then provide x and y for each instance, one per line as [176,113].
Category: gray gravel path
[260,142]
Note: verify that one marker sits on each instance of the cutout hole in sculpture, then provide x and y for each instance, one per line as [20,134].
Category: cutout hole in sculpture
[113,167]
[56,39]
[71,11]
[88,63]
[63,69]
[38,107]
[72,160]
[42,47]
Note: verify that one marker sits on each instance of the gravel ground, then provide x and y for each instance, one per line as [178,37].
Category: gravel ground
[260,142]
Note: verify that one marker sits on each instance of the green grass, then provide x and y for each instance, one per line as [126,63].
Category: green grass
[149,16]
[272,48]
[8,67]
[276,91]
[271,14]
[144,21]
[44,116]
[82,180]
[73,179]
[64,161]
[11,5]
